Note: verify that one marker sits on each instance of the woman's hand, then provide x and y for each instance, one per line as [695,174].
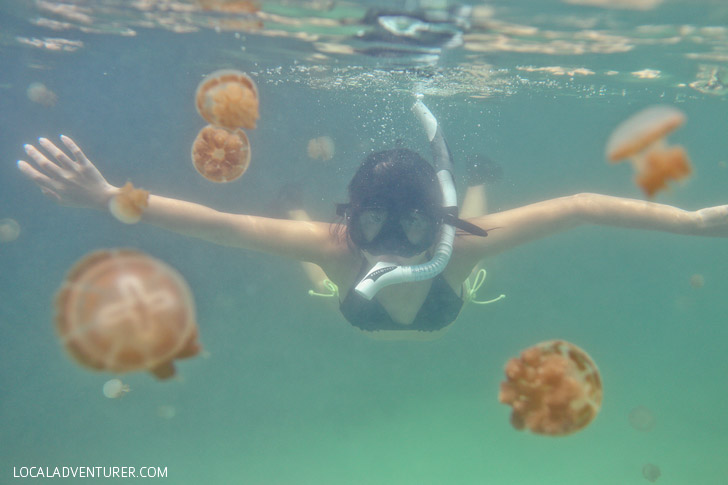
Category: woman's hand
[73,182]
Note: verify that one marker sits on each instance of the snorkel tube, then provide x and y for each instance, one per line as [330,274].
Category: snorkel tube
[385,274]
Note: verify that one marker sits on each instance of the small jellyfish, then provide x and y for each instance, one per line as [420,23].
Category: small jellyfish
[165,411]
[554,388]
[221,155]
[114,388]
[123,311]
[9,230]
[128,205]
[642,140]
[651,472]
[229,99]
[39,93]
[697,280]
[321,148]
[641,419]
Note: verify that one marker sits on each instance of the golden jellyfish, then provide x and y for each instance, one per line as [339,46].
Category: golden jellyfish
[651,472]
[9,230]
[229,99]
[641,139]
[122,311]
[114,388]
[165,411]
[321,148]
[39,93]
[697,280]
[129,204]
[221,155]
[554,389]
[641,419]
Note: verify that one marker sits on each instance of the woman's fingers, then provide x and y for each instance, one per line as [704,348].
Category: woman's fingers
[80,157]
[42,180]
[58,154]
[48,167]
[86,169]
[50,194]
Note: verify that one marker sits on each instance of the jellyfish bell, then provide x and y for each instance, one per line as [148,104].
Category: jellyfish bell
[221,155]
[229,99]
[166,411]
[9,230]
[651,472]
[642,130]
[313,149]
[39,93]
[641,139]
[642,419]
[124,311]
[128,205]
[321,148]
[554,389]
[697,280]
[114,388]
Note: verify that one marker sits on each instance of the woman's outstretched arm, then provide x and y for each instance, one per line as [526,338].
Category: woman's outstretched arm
[535,221]
[77,182]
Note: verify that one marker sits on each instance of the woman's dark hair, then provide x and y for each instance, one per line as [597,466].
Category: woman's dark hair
[398,177]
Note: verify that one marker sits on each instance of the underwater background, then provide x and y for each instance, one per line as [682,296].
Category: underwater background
[288,392]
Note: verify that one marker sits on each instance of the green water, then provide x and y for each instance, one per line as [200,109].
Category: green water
[288,392]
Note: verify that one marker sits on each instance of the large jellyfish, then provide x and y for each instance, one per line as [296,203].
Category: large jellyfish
[221,155]
[554,388]
[229,99]
[641,139]
[122,311]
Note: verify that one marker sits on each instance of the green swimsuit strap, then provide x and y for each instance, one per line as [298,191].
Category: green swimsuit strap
[471,291]
[333,290]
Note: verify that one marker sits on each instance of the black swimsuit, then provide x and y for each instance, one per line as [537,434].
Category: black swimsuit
[440,308]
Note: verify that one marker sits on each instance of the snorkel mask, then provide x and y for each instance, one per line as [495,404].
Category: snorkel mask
[405,231]
[381,230]
[400,215]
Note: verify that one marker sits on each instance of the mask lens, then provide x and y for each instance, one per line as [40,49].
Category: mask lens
[380,231]
[416,225]
[371,222]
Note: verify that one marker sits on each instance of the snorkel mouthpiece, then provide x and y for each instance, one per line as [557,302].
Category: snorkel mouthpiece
[385,274]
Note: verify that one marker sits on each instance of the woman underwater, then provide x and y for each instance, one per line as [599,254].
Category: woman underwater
[398,230]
